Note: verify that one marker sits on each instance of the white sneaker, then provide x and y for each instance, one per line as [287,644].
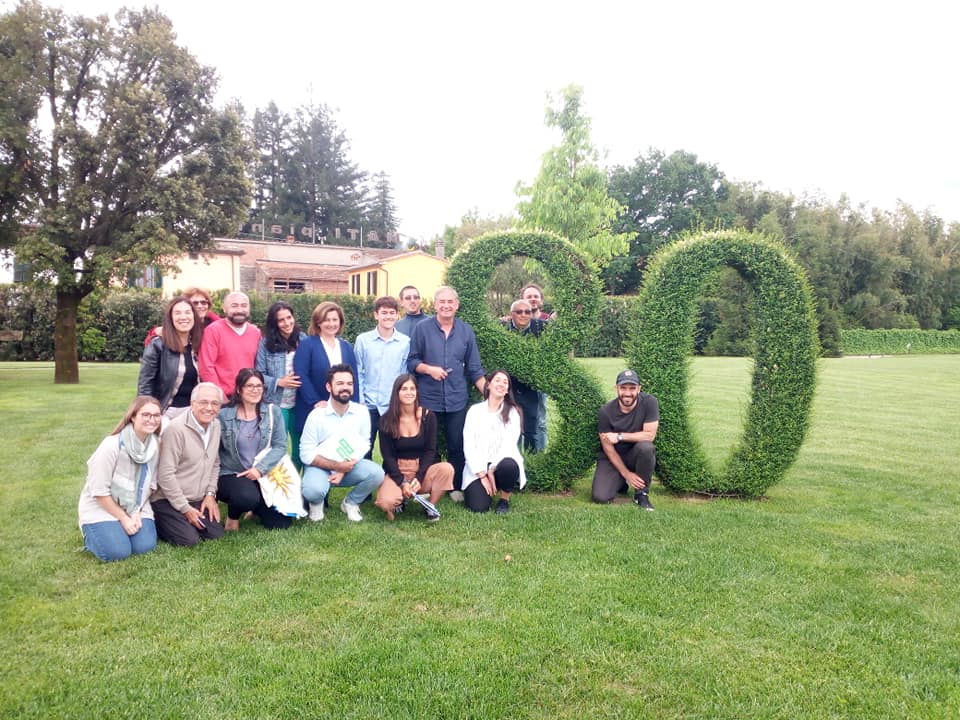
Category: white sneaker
[351,511]
[316,511]
[456,496]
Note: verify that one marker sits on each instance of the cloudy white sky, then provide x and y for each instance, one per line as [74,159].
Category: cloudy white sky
[448,97]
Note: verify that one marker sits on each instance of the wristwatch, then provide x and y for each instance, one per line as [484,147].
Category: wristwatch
[619,437]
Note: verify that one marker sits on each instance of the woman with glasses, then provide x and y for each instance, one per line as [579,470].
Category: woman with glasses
[253,439]
[115,514]
[200,300]
[281,337]
[317,353]
[168,369]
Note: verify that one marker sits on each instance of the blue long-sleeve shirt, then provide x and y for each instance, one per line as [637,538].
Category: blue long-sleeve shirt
[379,361]
[457,353]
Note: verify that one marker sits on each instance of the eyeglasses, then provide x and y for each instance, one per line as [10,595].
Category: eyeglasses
[199,302]
[208,403]
[151,416]
[523,312]
[412,297]
[253,386]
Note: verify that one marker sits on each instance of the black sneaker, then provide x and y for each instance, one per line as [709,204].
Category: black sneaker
[503,507]
[643,500]
[431,516]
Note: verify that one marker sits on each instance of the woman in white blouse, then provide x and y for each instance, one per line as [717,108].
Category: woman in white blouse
[491,432]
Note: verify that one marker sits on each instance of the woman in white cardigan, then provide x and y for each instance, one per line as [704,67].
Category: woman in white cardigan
[491,432]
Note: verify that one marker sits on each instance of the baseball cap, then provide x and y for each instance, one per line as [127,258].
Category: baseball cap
[628,377]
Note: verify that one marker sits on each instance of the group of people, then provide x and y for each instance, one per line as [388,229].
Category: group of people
[219,401]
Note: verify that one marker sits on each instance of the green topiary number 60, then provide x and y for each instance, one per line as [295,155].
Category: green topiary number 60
[545,362]
[784,365]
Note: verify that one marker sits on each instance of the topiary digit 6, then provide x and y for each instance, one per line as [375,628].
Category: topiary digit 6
[545,362]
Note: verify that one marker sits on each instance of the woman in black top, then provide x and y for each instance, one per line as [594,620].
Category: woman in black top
[168,370]
[408,444]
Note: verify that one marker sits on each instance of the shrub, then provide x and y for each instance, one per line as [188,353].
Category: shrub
[125,317]
[545,362]
[900,342]
[785,336]
[31,309]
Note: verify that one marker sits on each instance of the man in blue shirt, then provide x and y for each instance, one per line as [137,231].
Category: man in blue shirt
[445,358]
[410,300]
[331,447]
[381,357]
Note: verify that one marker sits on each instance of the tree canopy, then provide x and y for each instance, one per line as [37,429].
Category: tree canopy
[114,155]
[569,196]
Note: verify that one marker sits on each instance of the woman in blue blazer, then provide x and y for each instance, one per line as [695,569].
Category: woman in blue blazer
[321,349]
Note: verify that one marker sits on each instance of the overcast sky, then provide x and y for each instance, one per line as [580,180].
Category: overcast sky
[448,97]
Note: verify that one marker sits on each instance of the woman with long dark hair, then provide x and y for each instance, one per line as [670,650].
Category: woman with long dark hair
[491,433]
[253,440]
[116,518]
[168,370]
[281,337]
[408,444]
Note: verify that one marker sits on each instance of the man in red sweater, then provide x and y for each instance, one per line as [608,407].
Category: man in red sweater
[229,344]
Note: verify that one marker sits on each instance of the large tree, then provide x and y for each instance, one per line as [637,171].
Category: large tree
[325,187]
[381,213]
[114,155]
[664,196]
[569,196]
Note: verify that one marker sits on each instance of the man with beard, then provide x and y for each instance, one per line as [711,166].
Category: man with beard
[627,425]
[334,440]
[229,344]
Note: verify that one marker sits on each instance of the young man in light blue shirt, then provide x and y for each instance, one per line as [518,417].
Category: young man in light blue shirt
[381,357]
[331,447]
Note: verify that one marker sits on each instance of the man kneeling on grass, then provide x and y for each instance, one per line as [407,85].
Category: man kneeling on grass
[185,503]
[627,426]
[334,440]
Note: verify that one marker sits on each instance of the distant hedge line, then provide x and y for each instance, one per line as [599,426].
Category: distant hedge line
[900,342]
[111,326]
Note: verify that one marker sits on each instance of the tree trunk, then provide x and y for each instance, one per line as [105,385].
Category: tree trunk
[66,367]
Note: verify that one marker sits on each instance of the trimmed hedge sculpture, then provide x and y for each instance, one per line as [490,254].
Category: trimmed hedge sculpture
[785,330]
[545,362]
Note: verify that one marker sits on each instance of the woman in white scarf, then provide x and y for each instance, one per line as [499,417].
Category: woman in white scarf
[115,514]
[491,431]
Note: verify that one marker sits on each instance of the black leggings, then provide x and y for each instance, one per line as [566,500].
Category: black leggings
[507,474]
[242,495]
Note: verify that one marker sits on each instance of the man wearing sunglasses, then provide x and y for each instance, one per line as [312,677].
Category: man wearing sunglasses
[413,314]
[522,321]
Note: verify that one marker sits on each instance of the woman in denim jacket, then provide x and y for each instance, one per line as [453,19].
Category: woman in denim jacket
[281,337]
[245,431]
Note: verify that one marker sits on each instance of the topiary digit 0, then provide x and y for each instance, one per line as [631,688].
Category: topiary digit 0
[545,362]
[785,331]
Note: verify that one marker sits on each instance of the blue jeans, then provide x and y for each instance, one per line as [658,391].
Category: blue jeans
[365,477]
[109,541]
[541,439]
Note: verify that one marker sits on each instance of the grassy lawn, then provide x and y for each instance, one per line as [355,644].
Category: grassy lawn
[834,597]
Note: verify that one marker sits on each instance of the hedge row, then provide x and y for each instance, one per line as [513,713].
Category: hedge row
[111,326]
[900,342]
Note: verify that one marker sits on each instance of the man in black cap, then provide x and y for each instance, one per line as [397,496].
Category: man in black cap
[627,425]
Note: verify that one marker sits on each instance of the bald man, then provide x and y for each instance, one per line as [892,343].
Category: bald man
[229,344]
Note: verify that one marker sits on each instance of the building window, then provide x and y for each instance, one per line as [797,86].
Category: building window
[147,278]
[372,283]
[289,286]
[355,284]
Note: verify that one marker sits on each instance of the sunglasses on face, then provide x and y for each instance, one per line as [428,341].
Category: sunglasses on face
[523,312]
